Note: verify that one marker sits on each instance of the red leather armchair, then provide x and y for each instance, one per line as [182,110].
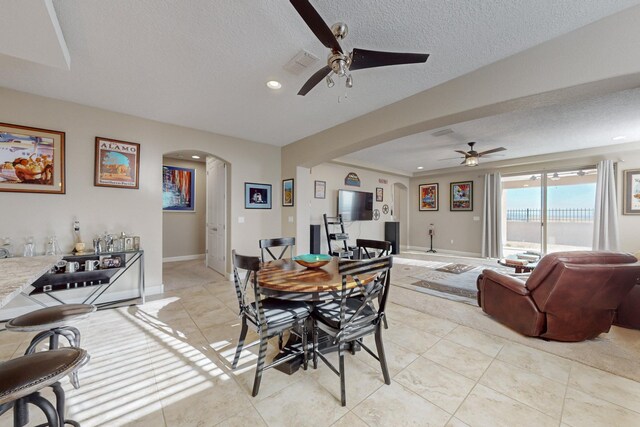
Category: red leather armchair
[570,296]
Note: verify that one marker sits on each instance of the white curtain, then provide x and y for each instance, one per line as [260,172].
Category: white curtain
[605,218]
[492,216]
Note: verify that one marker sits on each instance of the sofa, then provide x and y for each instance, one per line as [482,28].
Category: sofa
[570,296]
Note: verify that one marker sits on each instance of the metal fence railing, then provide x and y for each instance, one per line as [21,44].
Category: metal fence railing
[553,215]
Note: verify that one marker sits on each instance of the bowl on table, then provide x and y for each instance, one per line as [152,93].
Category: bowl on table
[312,260]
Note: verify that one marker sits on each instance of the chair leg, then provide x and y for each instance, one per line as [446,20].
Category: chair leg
[243,335]
[384,319]
[343,391]
[381,355]
[60,405]
[305,355]
[280,341]
[262,354]
[46,407]
[314,344]
[37,340]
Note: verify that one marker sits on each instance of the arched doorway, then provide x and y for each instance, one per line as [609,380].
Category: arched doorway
[195,209]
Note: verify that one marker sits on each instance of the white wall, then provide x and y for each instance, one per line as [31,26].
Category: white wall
[334,175]
[184,233]
[134,211]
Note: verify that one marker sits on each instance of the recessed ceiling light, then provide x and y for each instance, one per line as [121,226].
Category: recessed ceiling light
[420,167]
[273,84]
[195,157]
[619,137]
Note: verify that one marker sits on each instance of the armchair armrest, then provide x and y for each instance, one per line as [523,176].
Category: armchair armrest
[511,283]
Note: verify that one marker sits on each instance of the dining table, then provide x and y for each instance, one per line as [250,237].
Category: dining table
[286,279]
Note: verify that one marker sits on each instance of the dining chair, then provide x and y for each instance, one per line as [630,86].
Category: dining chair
[352,315]
[282,242]
[369,249]
[267,316]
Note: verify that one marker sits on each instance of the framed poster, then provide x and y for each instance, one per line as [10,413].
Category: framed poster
[320,189]
[461,196]
[379,194]
[117,164]
[31,160]
[178,189]
[631,202]
[428,197]
[287,192]
[257,196]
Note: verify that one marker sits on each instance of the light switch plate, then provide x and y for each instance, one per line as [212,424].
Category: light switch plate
[240,220]
[476,218]
[291,219]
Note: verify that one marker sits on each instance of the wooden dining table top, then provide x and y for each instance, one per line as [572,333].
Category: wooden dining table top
[287,279]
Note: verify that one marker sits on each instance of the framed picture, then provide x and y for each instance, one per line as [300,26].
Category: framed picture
[31,159]
[461,196]
[379,194]
[287,192]
[428,197]
[257,196]
[178,189]
[117,164]
[631,201]
[320,189]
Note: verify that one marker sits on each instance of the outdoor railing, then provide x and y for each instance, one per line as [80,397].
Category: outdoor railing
[553,215]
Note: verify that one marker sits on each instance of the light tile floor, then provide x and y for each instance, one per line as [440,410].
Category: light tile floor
[167,363]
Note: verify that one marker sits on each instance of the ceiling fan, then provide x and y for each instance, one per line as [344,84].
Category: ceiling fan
[339,62]
[471,157]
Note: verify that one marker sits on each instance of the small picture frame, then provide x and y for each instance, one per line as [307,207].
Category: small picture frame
[379,194]
[257,196]
[461,196]
[31,160]
[428,197]
[287,192]
[117,164]
[319,189]
[631,192]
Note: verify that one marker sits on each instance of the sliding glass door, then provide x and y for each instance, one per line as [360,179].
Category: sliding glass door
[548,212]
[522,213]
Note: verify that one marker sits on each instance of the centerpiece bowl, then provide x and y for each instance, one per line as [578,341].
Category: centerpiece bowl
[312,260]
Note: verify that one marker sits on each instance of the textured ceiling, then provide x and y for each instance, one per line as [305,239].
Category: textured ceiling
[591,123]
[204,64]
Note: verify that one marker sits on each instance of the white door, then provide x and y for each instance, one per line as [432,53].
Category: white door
[400,213]
[216,214]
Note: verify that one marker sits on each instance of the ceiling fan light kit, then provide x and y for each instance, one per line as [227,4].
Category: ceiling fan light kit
[340,63]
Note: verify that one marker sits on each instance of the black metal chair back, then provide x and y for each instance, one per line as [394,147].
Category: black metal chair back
[283,242]
[378,288]
[373,248]
[243,284]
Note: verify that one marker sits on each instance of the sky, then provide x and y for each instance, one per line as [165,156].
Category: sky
[559,197]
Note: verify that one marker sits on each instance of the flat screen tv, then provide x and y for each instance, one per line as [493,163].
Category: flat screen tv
[355,205]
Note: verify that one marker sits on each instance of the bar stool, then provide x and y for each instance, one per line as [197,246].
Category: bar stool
[22,379]
[52,323]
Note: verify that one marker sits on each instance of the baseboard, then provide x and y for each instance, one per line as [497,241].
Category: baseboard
[446,252]
[183,258]
[154,290]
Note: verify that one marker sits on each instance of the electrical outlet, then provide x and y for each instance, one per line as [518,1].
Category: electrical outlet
[240,220]
[291,219]
[452,241]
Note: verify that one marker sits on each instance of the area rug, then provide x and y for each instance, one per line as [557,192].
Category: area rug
[456,268]
[457,287]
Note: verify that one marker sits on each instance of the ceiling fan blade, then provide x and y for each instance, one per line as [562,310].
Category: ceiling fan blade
[362,58]
[316,24]
[491,156]
[464,162]
[495,150]
[314,80]
[464,153]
